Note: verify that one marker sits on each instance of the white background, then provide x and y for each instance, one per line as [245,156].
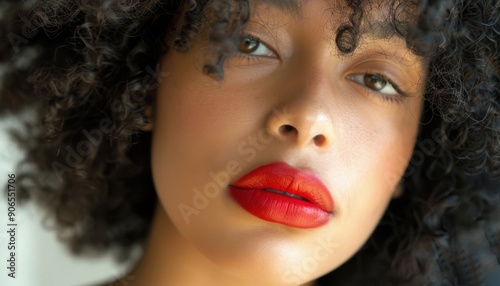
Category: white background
[41,260]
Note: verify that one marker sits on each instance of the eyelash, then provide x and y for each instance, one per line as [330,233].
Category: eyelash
[250,57]
[386,97]
[247,57]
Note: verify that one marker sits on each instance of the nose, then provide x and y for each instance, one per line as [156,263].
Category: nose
[304,119]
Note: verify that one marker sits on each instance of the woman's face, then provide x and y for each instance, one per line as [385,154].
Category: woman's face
[289,97]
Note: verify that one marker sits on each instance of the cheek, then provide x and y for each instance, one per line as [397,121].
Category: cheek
[386,148]
[381,162]
[383,141]
[373,161]
[195,116]
[183,142]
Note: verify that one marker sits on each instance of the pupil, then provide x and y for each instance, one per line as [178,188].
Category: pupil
[248,45]
[374,81]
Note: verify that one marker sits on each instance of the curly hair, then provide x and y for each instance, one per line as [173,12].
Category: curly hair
[92,73]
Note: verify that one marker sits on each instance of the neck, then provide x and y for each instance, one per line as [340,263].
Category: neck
[169,259]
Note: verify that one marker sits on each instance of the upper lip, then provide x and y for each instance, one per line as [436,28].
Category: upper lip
[282,177]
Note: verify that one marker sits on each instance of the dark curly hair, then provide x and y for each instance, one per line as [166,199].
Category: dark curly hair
[87,66]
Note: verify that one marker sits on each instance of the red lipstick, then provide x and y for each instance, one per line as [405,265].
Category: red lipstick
[279,193]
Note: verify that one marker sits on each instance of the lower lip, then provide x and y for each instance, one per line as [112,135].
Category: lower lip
[279,208]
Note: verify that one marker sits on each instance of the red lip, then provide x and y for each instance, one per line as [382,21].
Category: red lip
[307,204]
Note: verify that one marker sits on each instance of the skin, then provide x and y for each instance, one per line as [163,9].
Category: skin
[300,102]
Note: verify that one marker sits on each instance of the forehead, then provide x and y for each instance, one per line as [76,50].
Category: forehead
[381,19]
[286,5]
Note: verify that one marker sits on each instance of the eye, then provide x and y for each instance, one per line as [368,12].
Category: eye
[376,82]
[253,46]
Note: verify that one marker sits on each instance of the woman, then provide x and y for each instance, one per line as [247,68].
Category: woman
[261,142]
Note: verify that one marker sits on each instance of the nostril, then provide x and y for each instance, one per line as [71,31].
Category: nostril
[284,129]
[288,130]
[319,140]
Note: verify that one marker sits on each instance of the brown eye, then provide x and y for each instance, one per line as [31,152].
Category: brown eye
[248,45]
[252,46]
[374,82]
[377,83]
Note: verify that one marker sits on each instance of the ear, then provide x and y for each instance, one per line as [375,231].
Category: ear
[398,190]
[148,123]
